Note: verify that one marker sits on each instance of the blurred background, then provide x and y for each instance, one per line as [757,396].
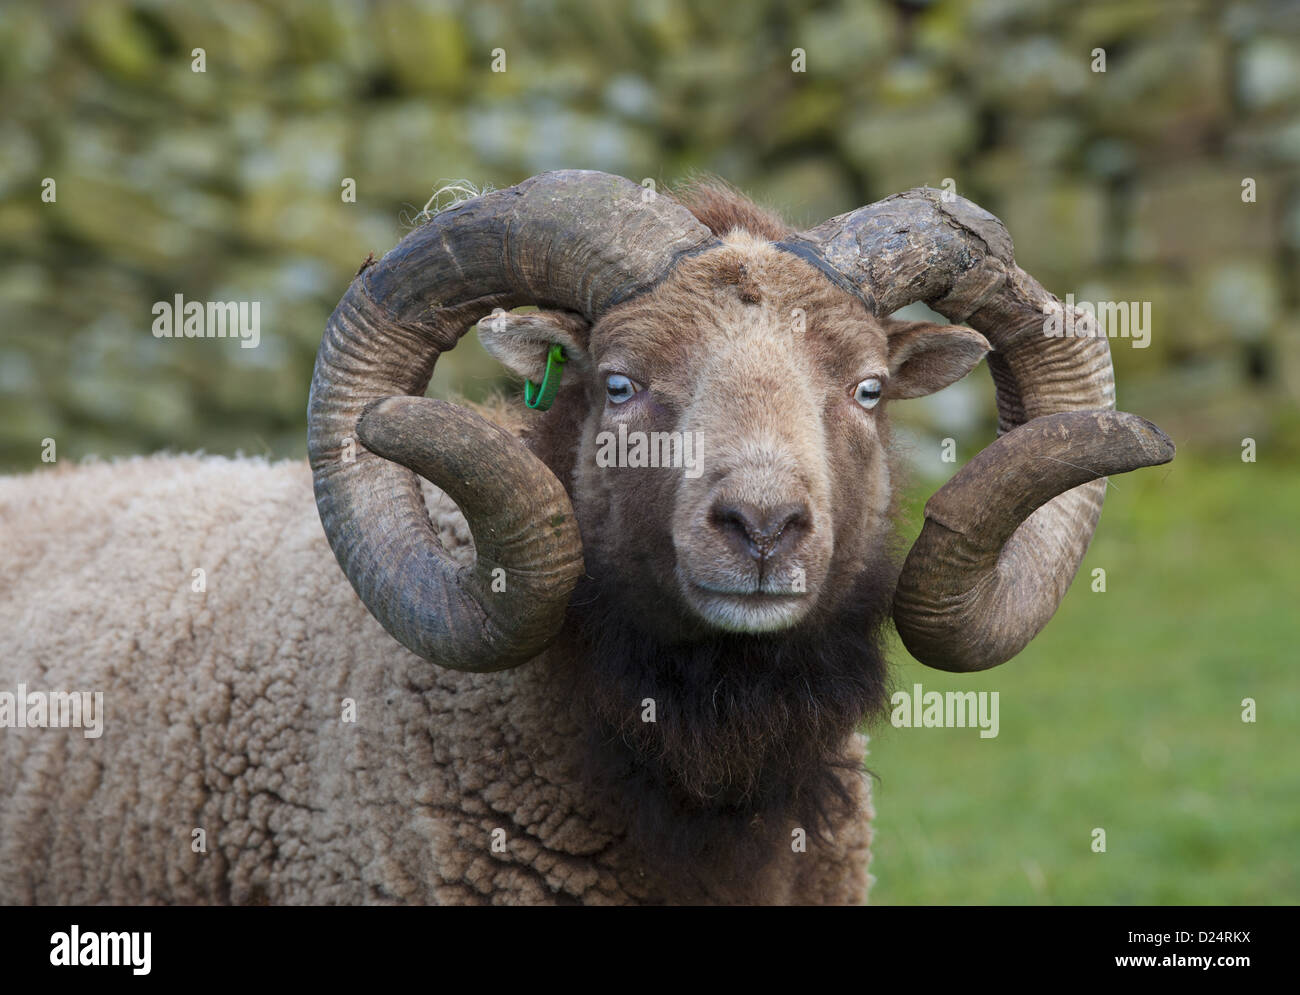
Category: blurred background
[1126,185]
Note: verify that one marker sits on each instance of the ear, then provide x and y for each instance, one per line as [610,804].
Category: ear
[925,357]
[521,341]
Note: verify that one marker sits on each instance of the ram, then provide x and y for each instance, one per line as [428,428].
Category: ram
[578,680]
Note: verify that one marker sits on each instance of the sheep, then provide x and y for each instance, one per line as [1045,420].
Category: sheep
[646,681]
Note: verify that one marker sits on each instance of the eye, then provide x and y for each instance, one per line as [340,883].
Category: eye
[867,393]
[619,388]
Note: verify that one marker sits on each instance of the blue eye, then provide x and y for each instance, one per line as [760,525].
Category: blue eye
[619,388]
[868,393]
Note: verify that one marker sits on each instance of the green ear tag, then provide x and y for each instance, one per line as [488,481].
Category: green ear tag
[541,398]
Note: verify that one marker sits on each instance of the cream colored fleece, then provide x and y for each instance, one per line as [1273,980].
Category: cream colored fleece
[223,713]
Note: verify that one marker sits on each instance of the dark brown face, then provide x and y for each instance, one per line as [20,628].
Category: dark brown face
[731,469]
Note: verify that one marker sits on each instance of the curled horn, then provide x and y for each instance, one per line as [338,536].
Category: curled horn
[1003,539]
[578,240]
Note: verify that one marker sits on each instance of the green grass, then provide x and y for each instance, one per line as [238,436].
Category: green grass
[1124,714]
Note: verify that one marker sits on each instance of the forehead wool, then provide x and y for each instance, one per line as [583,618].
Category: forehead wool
[745,287]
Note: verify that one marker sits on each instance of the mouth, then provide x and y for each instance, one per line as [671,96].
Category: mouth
[746,611]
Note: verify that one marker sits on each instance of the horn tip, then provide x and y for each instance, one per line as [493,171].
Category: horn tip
[1150,443]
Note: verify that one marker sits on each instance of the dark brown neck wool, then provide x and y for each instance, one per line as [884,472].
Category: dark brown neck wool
[749,735]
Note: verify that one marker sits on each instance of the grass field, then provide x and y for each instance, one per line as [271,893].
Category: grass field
[1124,714]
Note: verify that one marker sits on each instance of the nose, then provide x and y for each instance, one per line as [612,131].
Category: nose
[760,531]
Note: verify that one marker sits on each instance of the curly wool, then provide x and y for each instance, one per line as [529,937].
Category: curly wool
[224,713]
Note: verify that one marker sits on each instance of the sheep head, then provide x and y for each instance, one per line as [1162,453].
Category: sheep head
[730,469]
[779,352]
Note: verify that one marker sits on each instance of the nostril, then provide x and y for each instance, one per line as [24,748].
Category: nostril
[763,529]
[728,516]
[730,519]
[791,515]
